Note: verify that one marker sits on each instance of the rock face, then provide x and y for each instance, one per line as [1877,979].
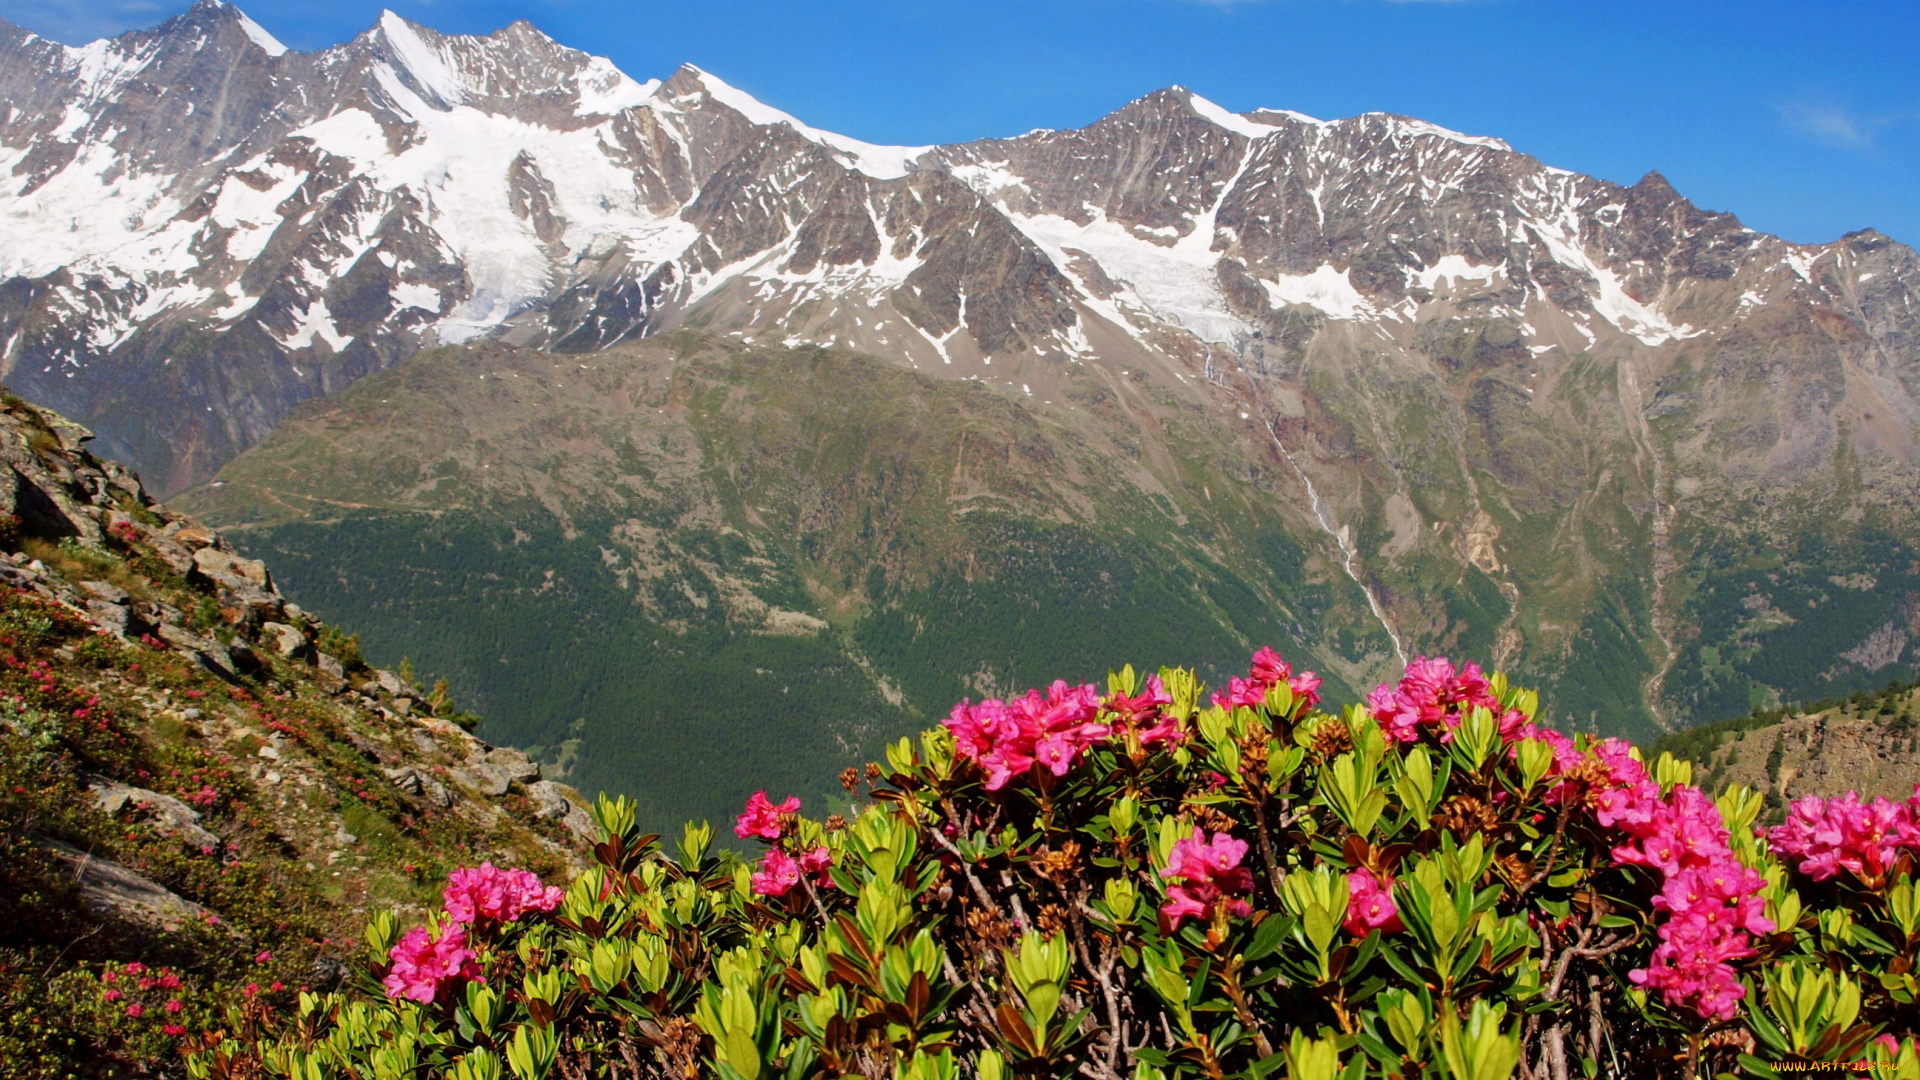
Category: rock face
[203,789]
[168,815]
[223,613]
[114,892]
[1619,443]
[1870,746]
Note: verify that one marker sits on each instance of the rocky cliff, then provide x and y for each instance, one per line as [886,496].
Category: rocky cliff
[1868,744]
[203,789]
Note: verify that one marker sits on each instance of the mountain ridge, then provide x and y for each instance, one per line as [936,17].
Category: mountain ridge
[1618,443]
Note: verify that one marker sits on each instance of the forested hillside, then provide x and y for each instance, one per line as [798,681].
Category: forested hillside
[684,569]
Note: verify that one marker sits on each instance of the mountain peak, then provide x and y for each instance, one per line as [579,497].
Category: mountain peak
[417,51]
[258,33]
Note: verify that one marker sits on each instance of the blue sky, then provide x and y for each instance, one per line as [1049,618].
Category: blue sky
[1802,117]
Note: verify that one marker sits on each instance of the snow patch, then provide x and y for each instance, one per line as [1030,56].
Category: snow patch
[1326,290]
[260,36]
[425,63]
[82,216]
[1562,239]
[314,322]
[1456,268]
[1421,127]
[1232,121]
[879,162]
[604,88]
[406,294]
[251,214]
[457,169]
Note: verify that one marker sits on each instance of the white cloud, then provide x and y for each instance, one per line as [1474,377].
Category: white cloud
[1832,124]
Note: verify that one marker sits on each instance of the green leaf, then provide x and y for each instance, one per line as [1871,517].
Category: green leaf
[1268,936]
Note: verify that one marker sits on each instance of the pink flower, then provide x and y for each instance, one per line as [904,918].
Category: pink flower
[818,865]
[486,892]
[1208,874]
[423,965]
[1241,693]
[1268,668]
[1831,835]
[779,872]
[1008,738]
[1305,687]
[174,1029]
[1370,905]
[1713,900]
[263,958]
[1433,696]
[762,817]
[111,995]
[1267,671]
[174,1006]
[1146,713]
[136,1009]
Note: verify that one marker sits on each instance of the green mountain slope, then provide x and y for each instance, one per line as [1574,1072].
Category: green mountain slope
[688,568]
[700,522]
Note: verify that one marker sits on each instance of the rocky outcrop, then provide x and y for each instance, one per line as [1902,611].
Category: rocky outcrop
[114,892]
[1871,747]
[224,613]
[168,815]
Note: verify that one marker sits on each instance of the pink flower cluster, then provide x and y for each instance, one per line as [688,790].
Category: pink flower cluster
[1370,905]
[486,892]
[423,964]
[1831,835]
[1008,738]
[1267,672]
[1145,713]
[1712,900]
[1209,877]
[1434,696]
[779,869]
[780,872]
[762,818]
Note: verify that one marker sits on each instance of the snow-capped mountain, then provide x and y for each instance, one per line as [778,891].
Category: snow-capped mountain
[202,227]
[1485,374]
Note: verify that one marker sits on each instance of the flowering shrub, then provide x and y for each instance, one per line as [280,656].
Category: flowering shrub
[1132,884]
[486,893]
[426,963]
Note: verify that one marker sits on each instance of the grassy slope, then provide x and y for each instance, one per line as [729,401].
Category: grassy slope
[306,843]
[654,501]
